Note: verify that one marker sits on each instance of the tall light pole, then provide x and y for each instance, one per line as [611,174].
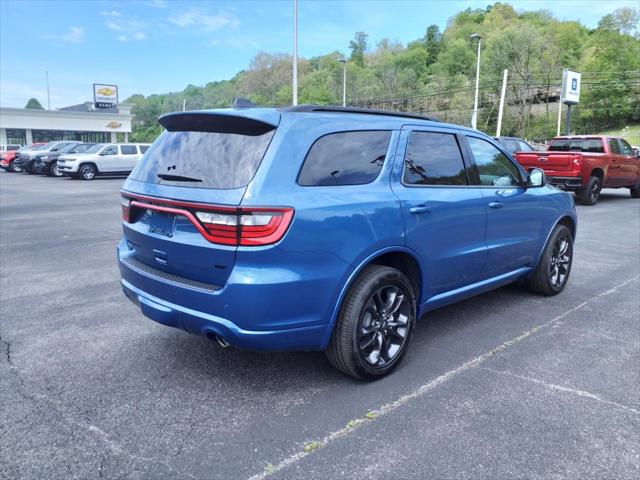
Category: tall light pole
[474,117]
[295,52]
[48,93]
[344,80]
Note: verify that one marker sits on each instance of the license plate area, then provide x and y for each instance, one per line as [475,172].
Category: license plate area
[161,223]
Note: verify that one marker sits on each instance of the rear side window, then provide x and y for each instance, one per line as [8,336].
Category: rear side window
[590,145]
[13,147]
[433,159]
[614,146]
[128,149]
[203,159]
[626,148]
[524,146]
[509,145]
[144,148]
[345,158]
[494,167]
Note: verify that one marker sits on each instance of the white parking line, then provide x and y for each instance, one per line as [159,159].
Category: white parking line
[311,446]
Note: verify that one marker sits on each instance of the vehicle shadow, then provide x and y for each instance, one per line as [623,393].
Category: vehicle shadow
[211,362]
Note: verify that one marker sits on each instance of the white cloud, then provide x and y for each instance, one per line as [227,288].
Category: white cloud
[113,25]
[198,18]
[75,35]
[111,13]
[127,29]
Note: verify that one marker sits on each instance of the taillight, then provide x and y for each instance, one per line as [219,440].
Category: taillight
[239,226]
[125,203]
[577,158]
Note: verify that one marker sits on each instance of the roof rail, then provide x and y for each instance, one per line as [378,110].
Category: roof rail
[367,111]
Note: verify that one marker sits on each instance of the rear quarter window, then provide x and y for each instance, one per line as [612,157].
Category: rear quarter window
[345,158]
[129,149]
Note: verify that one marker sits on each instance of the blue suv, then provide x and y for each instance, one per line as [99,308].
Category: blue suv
[335,229]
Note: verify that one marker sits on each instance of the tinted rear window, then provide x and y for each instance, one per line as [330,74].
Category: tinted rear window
[591,145]
[209,159]
[345,158]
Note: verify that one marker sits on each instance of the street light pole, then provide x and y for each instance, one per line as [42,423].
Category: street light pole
[295,52]
[344,81]
[474,117]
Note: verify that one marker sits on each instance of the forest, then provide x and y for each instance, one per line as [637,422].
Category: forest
[435,74]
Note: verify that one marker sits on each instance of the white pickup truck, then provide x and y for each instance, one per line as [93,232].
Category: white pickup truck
[102,159]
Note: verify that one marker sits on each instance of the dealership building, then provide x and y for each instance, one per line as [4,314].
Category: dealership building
[82,122]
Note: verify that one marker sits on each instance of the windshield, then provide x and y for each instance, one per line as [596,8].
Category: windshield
[590,145]
[203,159]
[82,148]
[67,148]
[96,148]
[43,147]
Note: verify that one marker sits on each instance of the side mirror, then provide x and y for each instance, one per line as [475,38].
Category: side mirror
[536,178]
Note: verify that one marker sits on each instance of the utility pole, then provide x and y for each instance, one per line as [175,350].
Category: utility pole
[474,117]
[559,116]
[502,95]
[344,81]
[48,93]
[295,52]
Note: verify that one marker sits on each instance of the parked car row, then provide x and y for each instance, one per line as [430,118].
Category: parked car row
[75,159]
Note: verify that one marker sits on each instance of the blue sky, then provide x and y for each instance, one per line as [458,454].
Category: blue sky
[156,46]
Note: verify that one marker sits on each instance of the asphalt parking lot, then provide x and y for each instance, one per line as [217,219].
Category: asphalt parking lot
[503,386]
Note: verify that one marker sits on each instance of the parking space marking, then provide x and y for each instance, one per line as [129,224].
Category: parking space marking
[560,388]
[313,445]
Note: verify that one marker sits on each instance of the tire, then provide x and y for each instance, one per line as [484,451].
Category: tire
[87,172]
[13,168]
[556,259]
[590,194]
[635,191]
[373,318]
[53,170]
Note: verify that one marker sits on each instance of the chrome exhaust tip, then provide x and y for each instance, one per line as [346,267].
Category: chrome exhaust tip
[222,342]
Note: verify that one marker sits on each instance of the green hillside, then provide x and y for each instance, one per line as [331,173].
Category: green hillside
[631,133]
[435,74]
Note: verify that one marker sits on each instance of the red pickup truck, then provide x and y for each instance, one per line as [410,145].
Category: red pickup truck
[586,164]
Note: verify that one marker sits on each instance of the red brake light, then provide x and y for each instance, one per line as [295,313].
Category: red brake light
[239,226]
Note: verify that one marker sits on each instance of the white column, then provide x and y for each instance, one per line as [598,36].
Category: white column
[28,135]
[114,138]
[3,136]
[126,137]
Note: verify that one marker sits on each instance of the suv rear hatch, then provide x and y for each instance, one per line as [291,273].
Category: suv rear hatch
[180,205]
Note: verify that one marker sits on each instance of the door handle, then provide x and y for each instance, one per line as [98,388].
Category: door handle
[420,209]
[496,205]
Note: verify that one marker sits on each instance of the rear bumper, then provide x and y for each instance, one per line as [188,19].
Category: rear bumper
[200,323]
[566,183]
[261,307]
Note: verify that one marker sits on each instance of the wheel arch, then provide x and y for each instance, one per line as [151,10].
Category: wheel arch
[599,173]
[402,258]
[566,220]
[93,164]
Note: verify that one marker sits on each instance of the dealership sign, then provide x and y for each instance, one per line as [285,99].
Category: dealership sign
[105,96]
[570,87]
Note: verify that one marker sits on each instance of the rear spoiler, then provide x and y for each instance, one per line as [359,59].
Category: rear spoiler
[252,122]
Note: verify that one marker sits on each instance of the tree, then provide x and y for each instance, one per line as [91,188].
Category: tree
[34,103]
[358,46]
[432,43]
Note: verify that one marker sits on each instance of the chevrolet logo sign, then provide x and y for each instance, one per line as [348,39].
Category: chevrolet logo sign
[114,125]
[106,91]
